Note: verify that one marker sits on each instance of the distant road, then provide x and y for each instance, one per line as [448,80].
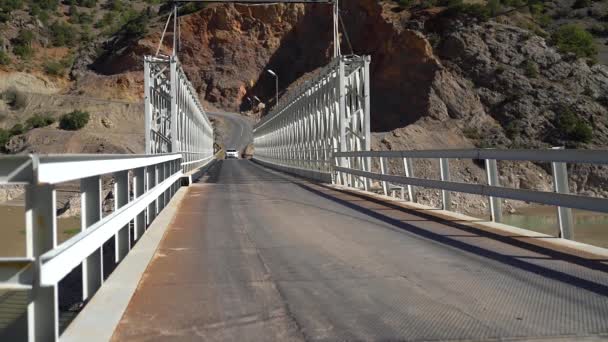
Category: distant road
[240,130]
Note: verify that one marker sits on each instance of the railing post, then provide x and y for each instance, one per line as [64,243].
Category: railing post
[150,184]
[90,213]
[173,77]
[564,215]
[121,198]
[409,172]
[383,167]
[445,176]
[342,147]
[493,180]
[147,106]
[158,179]
[41,232]
[139,176]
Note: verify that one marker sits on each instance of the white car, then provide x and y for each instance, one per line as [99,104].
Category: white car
[232,153]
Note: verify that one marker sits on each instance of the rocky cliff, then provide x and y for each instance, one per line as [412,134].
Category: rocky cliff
[443,76]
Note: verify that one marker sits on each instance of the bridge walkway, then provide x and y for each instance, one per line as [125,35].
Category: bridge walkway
[254,255]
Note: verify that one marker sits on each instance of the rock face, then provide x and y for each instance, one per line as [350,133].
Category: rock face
[523,84]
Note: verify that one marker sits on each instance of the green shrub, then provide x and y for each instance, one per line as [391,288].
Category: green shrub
[530,69]
[54,68]
[4,138]
[74,121]
[137,27]
[49,5]
[472,133]
[15,98]
[87,3]
[4,58]
[17,129]
[479,11]
[573,128]
[581,4]
[63,34]
[23,44]
[38,121]
[195,7]
[10,5]
[573,39]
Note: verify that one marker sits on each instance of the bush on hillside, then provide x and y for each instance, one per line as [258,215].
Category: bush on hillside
[22,45]
[8,6]
[574,39]
[573,128]
[15,98]
[63,34]
[54,68]
[530,69]
[4,138]
[479,11]
[39,120]
[74,121]
[581,4]
[49,5]
[4,58]
[195,7]
[17,129]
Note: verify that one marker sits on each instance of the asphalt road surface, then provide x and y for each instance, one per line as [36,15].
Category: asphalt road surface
[255,255]
[240,130]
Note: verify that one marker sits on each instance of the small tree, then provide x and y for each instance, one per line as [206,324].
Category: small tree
[38,121]
[15,98]
[4,138]
[530,69]
[573,128]
[574,39]
[74,121]
[4,58]
[17,129]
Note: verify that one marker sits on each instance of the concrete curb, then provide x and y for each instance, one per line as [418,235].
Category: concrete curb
[99,318]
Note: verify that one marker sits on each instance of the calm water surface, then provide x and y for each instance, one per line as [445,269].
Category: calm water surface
[589,227]
[12,230]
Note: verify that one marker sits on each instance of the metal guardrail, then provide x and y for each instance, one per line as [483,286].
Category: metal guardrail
[143,186]
[557,157]
[328,113]
[175,120]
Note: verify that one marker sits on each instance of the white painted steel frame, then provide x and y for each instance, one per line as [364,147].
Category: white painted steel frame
[557,157]
[329,113]
[175,120]
[155,179]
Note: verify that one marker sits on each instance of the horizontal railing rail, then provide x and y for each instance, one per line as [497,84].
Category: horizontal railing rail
[142,187]
[557,157]
[541,155]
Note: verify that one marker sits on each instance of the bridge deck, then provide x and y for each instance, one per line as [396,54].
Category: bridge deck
[256,256]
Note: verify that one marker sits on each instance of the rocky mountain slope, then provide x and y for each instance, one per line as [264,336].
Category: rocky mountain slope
[445,73]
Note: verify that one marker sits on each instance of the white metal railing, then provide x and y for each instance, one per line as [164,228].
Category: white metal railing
[175,119]
[326,114]
[358,178]
[143,186]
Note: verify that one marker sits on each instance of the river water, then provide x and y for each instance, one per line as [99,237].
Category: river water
[589,227]
[12,230]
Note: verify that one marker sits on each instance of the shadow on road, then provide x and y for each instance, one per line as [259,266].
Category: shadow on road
[449,240]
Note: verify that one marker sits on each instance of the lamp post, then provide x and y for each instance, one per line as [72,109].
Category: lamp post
[277,85]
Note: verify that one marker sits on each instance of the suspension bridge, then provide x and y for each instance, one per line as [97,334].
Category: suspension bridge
[316,238]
